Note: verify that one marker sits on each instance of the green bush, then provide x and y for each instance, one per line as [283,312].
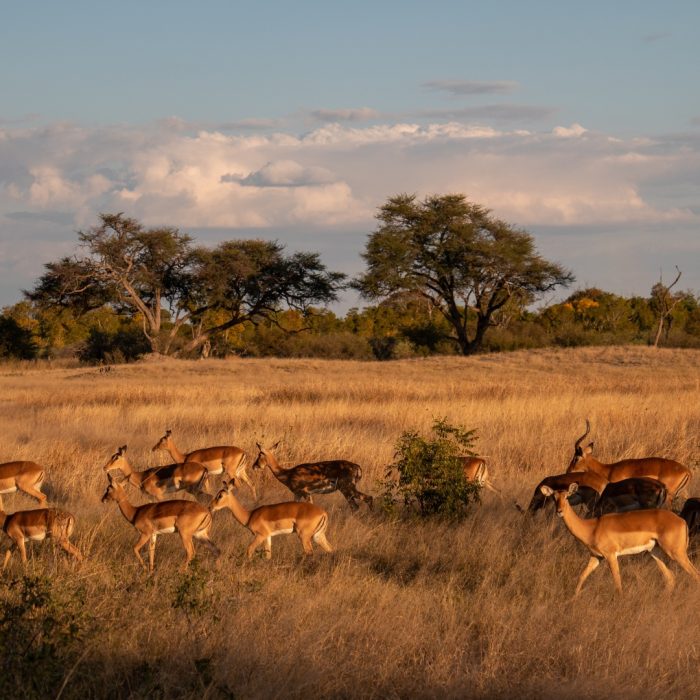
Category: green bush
[428,473]
[124,345]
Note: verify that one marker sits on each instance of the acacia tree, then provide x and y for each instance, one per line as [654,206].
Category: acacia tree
[251,280]
[467,263]
[663,302]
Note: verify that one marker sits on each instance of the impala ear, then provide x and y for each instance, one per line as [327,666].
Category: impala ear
[573,488]
[546,490]
[168,433]
[589,449]
[122,450]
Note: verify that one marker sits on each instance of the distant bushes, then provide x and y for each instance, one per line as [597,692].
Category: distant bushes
[113,347]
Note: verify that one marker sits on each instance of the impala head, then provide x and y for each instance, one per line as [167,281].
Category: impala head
[114,489]
[263,453]
[162,444]
[220,500]
[580,453]
[114,462]
[560,497]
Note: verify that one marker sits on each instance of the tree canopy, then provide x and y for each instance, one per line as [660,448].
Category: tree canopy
[468,264]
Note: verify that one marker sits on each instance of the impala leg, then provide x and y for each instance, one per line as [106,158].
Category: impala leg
[189,548]
[592,565]
[615,570]
[491,487]
[243,476]
[668,576]
[306,544]
[257,541]
[687,565]
[8,555]
[268,547]
[32,491]
[320,538]
[22,549]
[71,549]
[139,546]
[152,553]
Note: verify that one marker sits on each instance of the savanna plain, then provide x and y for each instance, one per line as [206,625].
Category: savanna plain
[480,608]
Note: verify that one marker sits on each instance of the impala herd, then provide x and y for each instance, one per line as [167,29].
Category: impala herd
[624,502]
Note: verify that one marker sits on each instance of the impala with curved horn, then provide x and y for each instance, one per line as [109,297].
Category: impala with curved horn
[160,481]
[309,479]
[673,475]
[590,486]
[38,525]
[218,460]
[22,476]
[306,519]
[191,520]
[617,534]
[475,470]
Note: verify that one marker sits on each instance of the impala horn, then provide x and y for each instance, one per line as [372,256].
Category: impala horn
[581,439]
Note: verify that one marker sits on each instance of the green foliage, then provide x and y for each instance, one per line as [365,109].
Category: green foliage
[43,636]
[428,472]
[192,594]
[114,347]
[16,342]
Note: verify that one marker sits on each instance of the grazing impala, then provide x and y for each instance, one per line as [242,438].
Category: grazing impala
[673,475]
[38,525]
[190,520]
[475,470]
[638,493]
[590,486]
[22,476]
[305,480]
[616,534]
[218,460]
[160,481]
[306,519]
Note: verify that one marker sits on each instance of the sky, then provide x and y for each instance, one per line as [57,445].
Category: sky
[295,121]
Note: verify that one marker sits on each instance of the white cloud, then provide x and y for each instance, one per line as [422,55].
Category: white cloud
[569,132]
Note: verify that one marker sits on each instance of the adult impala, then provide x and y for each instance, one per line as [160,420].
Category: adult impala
[306,480]
[617,534]
[637,493]
[22,476]
[673,475]
[475,470]
[191,520]
[306,519]
[160,481]
[38,525]
[590,486]
[218,460]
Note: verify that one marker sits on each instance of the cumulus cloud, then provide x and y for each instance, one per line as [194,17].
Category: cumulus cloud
[567,132]
[459,88]
[284,173]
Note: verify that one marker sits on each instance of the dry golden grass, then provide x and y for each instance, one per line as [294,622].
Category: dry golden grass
[482,609]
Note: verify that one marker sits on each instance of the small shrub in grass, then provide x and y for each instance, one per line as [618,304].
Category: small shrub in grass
[427,474]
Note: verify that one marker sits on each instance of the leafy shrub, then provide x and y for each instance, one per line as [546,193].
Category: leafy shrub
[124,345]
[16,342]
[430,472]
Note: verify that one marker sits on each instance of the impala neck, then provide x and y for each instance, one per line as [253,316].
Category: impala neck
[177,456]
[590,464]
[128,511]
[273,463]
[239,512]
[581,529]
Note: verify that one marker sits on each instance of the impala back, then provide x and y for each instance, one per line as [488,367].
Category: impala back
[638,493]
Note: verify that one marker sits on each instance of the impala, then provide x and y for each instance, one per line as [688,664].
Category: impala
[638,493]
[189,519]
[475,470]
[218,460]
[159,481]
[38,525]
[22,476]
[306,519]
[590,486]
[305,480]
[617,534]
[673,475]
[691,515]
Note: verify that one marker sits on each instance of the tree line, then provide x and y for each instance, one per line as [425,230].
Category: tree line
[443,275]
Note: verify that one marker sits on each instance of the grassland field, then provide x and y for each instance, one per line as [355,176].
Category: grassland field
[400,609]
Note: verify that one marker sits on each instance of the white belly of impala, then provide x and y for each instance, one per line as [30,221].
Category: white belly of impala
[38,537]
[288,531]
[11,489]
[637,550]
[165,531]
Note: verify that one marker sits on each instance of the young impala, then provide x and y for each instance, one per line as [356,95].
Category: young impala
[190,520]
[22,476]
[617,534]
[306,480]
[218,460]
[673,475]
[160,481]
[306,519]
[38,525]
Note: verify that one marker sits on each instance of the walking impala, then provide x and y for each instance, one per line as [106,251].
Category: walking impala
[38,525]
[160,481]
[222,459]
[22,476]
[306,480]
[617,534]
[673,475]
[191,520]
[306,519]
